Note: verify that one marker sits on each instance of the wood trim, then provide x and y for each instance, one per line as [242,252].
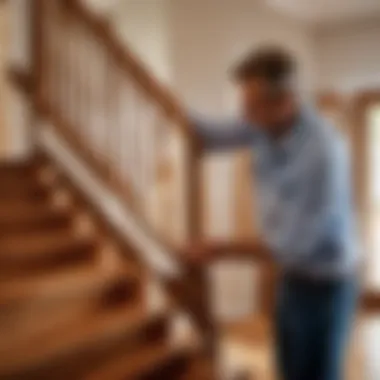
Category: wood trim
[370,302]
[359,135]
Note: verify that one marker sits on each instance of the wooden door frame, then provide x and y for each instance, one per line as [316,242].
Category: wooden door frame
[361,103]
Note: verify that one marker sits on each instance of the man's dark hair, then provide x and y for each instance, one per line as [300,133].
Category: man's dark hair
[272,64]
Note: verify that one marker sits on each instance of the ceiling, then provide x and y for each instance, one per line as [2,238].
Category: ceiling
[322,12]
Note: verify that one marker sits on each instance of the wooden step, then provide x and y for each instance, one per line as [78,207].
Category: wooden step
[17,168]
[22,189]
[42,251]
[23,322]
[25,217]
[153,362]
[65,287]
[22,181]
[78,343]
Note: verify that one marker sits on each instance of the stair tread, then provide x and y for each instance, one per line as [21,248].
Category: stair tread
[83,282]
[141,362]
[16,212]
[21,323]
[93,330]
[16,166]
[23,181]
[22,189]
[22,206]
[39,245]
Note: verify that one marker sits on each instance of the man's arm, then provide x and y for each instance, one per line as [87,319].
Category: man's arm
[223,135]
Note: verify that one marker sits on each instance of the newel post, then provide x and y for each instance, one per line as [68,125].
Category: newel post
[199,282]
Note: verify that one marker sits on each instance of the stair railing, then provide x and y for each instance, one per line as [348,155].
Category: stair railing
[127,128]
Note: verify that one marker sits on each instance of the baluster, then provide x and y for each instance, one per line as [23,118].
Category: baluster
[146,153]
[91,85]
[54,66]
[125,143]
[84,80]
[41,47]
[60,62]
[113,128]
[99,123]
[72,73]
[133,144]
[121,143]
[64,59]
[156,204]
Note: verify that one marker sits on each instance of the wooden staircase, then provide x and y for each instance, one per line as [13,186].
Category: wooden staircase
[70,306]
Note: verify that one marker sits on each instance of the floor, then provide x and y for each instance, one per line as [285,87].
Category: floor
[250,345]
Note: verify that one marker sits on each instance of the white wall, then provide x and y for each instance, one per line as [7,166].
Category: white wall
[349,57]
[144,26]
[208,35]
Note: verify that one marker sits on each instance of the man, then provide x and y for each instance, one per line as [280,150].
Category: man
[302,176]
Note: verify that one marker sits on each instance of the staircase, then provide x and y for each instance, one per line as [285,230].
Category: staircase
[72,304]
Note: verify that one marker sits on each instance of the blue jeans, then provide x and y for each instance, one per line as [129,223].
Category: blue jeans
[313,322]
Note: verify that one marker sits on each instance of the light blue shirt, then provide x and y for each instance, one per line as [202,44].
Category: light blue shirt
[303,185]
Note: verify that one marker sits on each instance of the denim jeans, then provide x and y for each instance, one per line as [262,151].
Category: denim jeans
[313,323]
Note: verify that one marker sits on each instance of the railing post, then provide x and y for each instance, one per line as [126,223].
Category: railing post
[198,279]
[194,193]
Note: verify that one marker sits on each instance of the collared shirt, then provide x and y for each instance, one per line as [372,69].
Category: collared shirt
[303,189]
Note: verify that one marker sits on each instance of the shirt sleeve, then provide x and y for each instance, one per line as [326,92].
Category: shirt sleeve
[223,135]
[307,214]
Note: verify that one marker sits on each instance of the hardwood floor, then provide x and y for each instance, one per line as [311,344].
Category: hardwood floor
[371,349]
[249,344]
